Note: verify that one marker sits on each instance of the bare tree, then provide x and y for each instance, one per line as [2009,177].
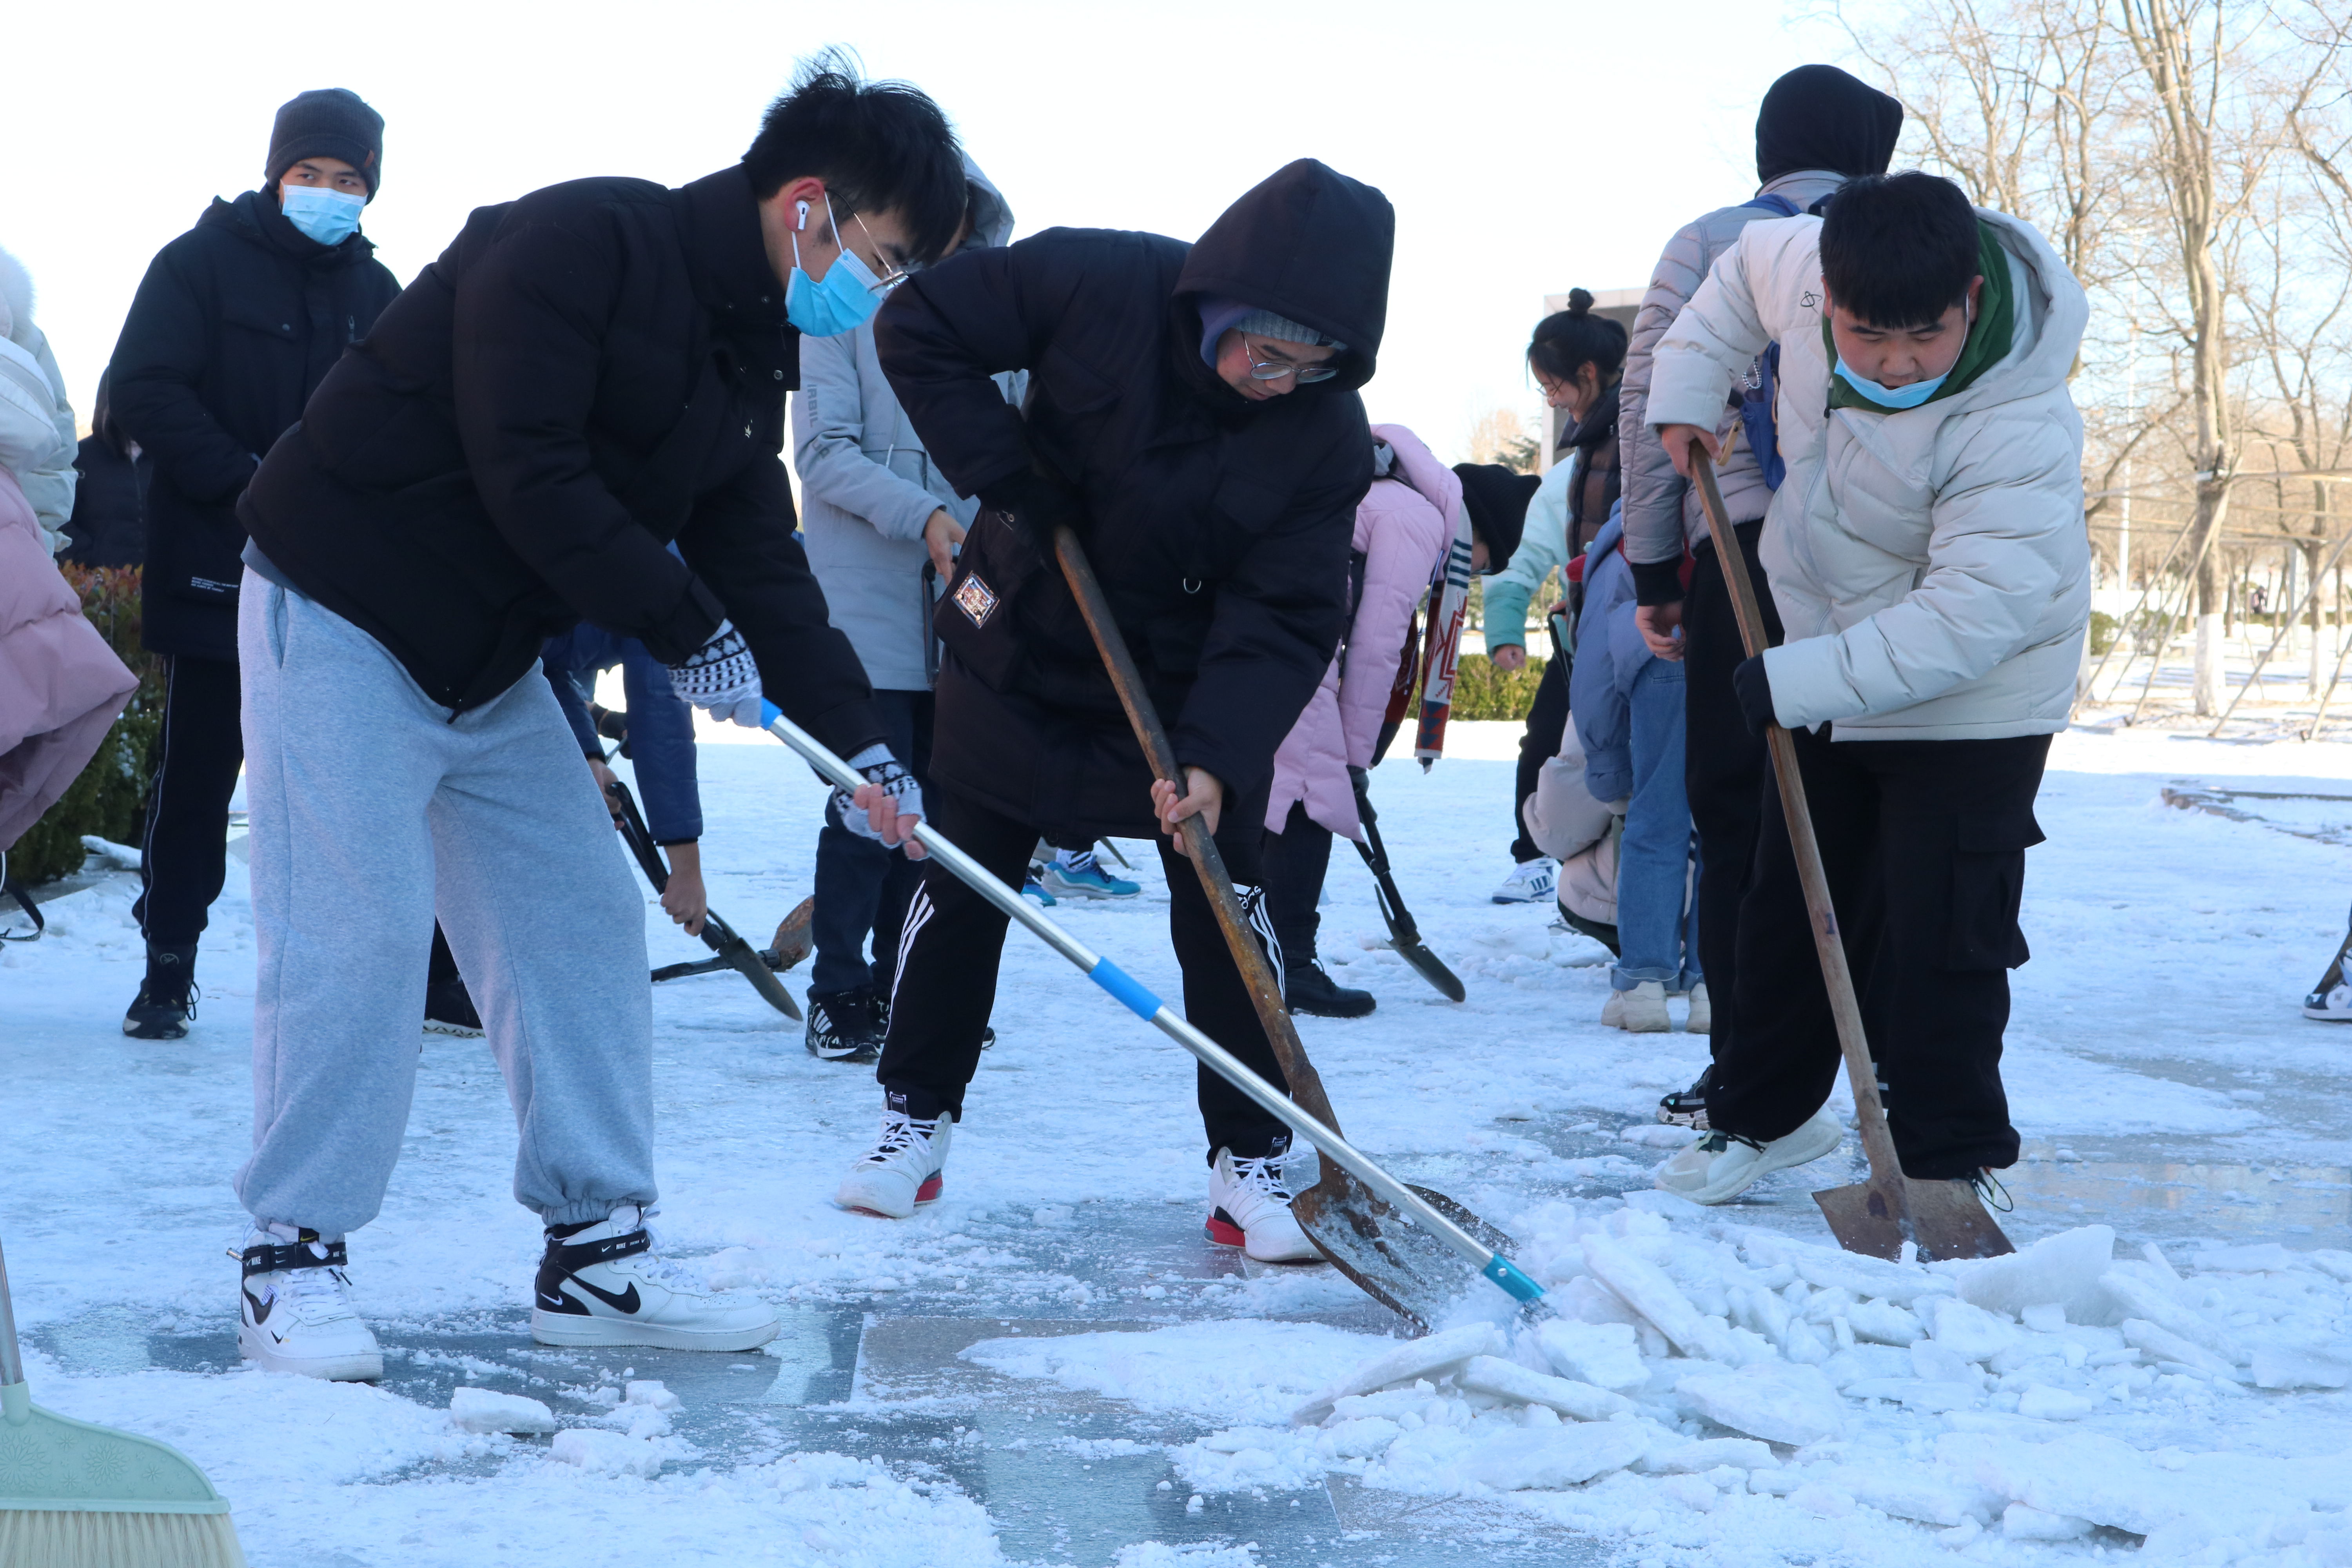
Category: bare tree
[1500,436]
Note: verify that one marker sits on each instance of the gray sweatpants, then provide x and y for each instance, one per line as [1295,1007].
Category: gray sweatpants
[371,809]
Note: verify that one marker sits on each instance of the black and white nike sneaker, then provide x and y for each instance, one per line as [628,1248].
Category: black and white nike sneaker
[845,1026]
[294,1309]
[602,1283]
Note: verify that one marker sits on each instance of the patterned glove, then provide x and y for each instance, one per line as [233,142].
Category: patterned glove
[880,768]
[721,677]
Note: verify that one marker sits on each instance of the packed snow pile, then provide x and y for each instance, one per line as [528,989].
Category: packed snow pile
[1702,1377]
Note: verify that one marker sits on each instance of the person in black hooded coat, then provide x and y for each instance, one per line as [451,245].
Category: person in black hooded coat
[236,323]
[1214,491]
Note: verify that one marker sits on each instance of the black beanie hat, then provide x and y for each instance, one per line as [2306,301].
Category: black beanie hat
[329,122]
[1818,117]
[1496,500]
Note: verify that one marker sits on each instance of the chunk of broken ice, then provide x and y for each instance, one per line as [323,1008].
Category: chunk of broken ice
[484,1410]
[1606,1355]
[1778,1401]
[1553,1458]
[2063,1269]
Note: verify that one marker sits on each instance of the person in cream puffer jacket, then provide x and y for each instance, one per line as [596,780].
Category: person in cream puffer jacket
[1931,566]
[1928,555]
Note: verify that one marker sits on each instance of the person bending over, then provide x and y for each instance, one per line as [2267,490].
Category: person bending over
[587,374]
[1193,413]
[1928,555]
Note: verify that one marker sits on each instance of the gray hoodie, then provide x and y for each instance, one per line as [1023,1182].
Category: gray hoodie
[867,487]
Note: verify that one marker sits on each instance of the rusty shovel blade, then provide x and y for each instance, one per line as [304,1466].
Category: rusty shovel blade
[1383,1252]
[1946,1218]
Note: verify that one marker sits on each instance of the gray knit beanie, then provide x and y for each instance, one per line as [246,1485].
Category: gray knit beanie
[1267,324]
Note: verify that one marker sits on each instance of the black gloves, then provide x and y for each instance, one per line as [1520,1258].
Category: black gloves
[1754,690]
[1035,505]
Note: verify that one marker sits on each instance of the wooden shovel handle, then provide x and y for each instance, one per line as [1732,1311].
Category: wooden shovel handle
[1886,1170]
[1257,975]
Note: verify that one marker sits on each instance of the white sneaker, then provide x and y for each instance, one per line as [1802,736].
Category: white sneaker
[1250,1209]
[1701,1020]
[904,1170]
[602,1284]
[1530,881]
[2333,1006]
[1722,1166]
[294,1309]
[1640,1011]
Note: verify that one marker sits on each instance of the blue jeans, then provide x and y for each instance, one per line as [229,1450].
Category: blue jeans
[1657,923]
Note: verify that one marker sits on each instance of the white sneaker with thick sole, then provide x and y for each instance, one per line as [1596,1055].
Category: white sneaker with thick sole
[1530,881]
[1701,1020]
[294,1309]
[1722,1166]
[1640,1011]
[2333,1006]
[602,1284]
[904,1170]
[1250,1209]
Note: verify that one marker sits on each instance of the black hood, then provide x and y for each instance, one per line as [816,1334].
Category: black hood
[1496,498]
[1308,243]
[1818,117]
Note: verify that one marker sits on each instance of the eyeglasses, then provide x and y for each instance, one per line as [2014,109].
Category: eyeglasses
[1275,369]
[888,281]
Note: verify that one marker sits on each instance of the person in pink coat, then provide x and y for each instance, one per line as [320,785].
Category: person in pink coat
[60,685]
[1403,525]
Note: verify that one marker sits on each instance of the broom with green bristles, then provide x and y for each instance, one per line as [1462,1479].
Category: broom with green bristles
[77,1496]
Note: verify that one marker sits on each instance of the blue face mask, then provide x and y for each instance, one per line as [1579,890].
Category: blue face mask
[327,217]
[1898,397]
[843,300]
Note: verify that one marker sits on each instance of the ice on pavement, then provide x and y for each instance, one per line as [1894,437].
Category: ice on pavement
[2164,1369]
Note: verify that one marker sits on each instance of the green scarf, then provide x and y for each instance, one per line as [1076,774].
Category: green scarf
[1988,339]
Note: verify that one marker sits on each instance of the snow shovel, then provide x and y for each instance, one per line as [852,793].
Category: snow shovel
[1404,936]
[733,952]
[1944,1219]
[80,1495]
[1406,1268]
[790,945]
[1386,1210]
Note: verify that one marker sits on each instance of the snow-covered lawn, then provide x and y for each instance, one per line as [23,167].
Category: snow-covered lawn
[1770,1404]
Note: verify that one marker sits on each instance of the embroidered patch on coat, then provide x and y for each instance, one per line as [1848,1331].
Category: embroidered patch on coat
[976,599]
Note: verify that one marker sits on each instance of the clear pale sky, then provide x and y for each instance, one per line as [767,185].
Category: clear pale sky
[1527,147]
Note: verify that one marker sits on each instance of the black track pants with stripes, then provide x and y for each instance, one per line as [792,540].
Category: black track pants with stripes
[954,939]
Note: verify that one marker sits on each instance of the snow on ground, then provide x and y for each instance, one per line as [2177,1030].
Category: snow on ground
[2166,1087]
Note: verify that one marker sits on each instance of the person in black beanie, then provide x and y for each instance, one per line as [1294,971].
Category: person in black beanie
[1817,127]
[234,325]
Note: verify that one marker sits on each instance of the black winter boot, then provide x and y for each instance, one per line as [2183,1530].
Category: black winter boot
[1307,988]
[449,1009]
[843,1025]
[167,997]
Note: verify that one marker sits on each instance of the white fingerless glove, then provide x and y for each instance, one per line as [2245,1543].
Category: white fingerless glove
[880,768]
[721,677]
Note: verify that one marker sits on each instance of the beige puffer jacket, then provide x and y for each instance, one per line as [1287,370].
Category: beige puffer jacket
[1931,566]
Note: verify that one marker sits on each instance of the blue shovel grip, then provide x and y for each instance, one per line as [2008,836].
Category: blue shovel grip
[1506,1273]
[1129,991]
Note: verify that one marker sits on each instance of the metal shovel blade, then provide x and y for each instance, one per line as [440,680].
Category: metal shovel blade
[1946,1218]
[752,967]
[1430,967]
[1380,1249]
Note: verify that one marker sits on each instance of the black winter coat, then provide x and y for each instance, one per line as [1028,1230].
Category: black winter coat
[1220,528]
[109,522]
[585,375]
[234,325]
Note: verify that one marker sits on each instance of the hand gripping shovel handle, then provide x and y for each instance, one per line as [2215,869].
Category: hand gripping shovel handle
[733,952]
[1131,994]
[1887,1179]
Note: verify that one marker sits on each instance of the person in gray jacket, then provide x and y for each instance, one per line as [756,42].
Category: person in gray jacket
[876,513]
[1818,127]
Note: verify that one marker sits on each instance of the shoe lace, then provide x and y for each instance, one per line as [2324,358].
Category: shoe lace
[898,1134]
[1716,1143]
[313,1292]
[1263,1173]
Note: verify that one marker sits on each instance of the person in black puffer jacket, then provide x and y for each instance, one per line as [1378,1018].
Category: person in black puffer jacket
[1192,415]
[234,325]
[109,528]
[588,374]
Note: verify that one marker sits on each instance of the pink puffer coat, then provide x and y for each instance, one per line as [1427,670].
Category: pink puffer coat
[1401,528]
[60,685]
